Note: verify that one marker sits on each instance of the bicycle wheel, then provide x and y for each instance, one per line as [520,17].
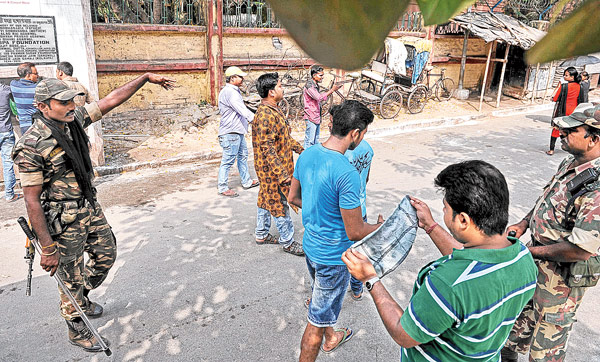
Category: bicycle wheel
[284,105]
[444,89]
[390,104]
[417,99]
[367,86]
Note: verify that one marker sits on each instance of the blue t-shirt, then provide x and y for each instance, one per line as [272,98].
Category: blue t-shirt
[329,183]
[361,158]
[23,92]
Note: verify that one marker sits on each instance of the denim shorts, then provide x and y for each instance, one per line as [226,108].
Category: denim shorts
[329,284]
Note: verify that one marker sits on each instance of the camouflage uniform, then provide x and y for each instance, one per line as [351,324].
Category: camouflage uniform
[74,224]
[544,325]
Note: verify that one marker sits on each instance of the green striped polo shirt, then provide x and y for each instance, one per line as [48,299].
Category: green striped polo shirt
[464,304]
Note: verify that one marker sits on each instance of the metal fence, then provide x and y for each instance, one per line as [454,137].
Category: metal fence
[248,14]
[172,12]
[410,22]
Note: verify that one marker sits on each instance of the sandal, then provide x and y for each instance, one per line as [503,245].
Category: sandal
[550,152]
[15,198]
[270,239]
[348,333]
[294,248]
[254,184]
[356,297]
[229,193]
[307,303]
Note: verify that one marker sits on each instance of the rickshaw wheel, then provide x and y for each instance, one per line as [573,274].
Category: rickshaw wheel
[417,99]
[367,86]
[390,104]
[284,105]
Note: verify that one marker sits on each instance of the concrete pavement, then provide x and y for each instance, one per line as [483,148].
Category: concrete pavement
[190,284]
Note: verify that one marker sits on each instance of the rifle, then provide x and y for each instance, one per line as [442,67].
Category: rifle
[29,256]
[32,240]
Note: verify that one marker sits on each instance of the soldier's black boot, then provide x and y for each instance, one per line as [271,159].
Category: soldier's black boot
[508,355]
[80,335]
[92,310]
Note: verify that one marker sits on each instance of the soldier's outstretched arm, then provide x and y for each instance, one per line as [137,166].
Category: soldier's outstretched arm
[124,92]
[38,222]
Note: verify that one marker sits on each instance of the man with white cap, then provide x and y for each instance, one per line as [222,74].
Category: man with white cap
[56,175]
[564,226]
[235,117]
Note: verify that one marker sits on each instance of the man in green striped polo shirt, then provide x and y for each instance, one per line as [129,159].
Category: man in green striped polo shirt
[463,304]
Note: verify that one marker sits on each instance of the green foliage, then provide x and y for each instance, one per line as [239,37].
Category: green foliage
[341,34]
[578,34]
[439,11]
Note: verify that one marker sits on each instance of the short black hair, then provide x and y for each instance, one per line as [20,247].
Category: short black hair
[315,69]
[478,189]
[265,83]
[591,131]
[25,69]
[348,116]
[66,68]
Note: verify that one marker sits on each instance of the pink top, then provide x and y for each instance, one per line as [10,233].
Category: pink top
[312,102]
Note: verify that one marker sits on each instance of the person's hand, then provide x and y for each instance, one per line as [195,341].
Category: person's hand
[336,87]
[163,81]
[358,265]
[287,182]
[50,263]
[423,213]
[519,228]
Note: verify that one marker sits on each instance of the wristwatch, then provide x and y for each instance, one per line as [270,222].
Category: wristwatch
[371,282]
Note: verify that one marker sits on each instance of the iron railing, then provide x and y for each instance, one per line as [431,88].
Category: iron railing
[410,22]
[248,14]
[171,12]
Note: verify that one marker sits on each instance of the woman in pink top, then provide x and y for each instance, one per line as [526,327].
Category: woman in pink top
[312,105]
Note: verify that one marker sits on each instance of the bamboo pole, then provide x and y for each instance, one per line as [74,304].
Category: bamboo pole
[463,60]
[535,80]
[502,75]
[487,66]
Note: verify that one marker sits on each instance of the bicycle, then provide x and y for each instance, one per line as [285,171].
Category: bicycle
[442,90]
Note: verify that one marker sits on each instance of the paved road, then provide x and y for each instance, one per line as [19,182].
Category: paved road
[190,284]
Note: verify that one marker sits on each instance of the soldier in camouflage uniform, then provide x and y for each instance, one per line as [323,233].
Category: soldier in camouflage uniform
[544,325]
[56,174]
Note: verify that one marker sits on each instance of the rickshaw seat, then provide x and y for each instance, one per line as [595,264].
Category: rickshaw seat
[354,75]
[377,72]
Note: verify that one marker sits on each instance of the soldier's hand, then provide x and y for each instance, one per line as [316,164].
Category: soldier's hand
[50,263]
[519,228]
[163,81]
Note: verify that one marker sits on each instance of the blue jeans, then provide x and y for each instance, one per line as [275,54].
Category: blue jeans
[25,128]
[7,142]
[234,146]
[329,284]
[311,137]
[285,226]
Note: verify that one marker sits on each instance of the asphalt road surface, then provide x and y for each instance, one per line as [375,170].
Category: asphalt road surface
[190,284]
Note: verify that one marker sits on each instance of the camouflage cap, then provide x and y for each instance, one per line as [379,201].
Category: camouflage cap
[577,118]
[54,88]
[593,116]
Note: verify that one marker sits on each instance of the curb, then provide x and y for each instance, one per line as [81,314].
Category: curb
[206,156]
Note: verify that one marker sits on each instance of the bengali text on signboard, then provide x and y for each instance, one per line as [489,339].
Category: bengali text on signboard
[28,39]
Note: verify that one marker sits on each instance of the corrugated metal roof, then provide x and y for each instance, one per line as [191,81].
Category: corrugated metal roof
[496,26]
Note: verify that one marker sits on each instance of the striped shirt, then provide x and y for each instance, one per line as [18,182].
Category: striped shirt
[464,304]
[23,91]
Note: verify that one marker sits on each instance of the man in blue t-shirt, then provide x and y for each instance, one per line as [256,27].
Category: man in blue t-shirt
[23,91]
[361,158]
[327,188]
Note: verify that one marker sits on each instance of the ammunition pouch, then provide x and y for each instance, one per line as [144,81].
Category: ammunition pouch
[583,273]
[61,214]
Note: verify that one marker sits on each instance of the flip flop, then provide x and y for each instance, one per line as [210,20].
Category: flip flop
[229,193]
[549,153]
[348,333]
[307,303]
[15,198]
[254,184]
